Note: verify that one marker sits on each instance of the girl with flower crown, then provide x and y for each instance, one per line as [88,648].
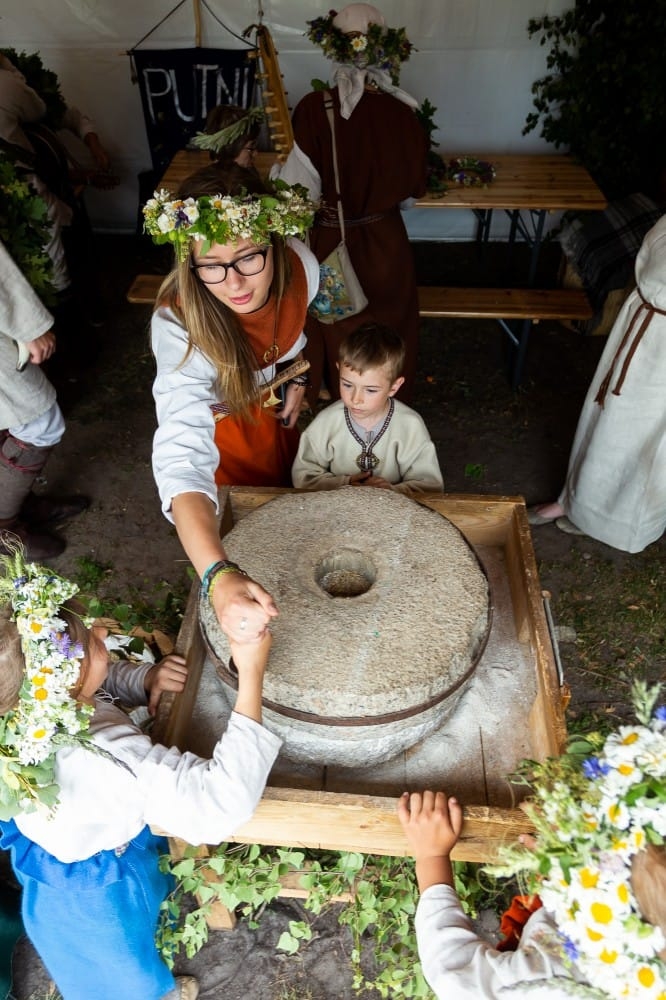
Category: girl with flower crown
[382,154]
[597,928]
[81,785]
[228,319]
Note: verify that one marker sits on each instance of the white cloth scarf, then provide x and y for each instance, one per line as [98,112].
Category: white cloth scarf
[350,81]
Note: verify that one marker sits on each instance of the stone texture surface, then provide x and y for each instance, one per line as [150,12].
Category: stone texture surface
[413,635]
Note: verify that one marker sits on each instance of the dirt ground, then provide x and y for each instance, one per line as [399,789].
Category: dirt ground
[490,440]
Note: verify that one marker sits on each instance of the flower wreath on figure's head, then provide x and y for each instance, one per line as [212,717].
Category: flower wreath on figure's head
[226,219]
[46,715]
[591,815]
[216,141]
[385,48]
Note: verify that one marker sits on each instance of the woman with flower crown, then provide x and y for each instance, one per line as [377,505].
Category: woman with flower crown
[228,321]
[81,785]
[382,157]
[597,927]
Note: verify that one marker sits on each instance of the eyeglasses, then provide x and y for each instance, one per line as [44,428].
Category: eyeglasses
[214,274]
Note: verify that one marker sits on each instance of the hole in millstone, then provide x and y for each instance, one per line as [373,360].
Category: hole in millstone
[345,573]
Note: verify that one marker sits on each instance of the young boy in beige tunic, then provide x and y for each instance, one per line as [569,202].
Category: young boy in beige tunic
[367,437]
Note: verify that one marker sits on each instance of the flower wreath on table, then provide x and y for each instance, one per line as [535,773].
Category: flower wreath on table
[592,813]
[385,48]
[46,716]
[288,211]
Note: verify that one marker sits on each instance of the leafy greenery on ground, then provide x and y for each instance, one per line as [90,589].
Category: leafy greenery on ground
[162,609]
[617,608]
[380,914]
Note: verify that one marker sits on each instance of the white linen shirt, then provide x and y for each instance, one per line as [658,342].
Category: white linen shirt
[327,452]
[185,456]
[459,965]
[106,800]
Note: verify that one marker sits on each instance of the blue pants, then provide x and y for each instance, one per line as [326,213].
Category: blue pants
[93,922]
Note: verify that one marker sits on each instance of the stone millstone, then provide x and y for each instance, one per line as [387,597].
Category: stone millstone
[384,612]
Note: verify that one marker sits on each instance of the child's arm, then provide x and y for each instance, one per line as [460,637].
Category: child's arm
[169,674]
[432,825]
[250,660]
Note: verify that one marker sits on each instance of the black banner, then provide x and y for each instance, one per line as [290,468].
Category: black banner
[180,86]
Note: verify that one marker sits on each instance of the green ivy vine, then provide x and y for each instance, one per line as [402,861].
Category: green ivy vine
[24,228]
[603,95]
[380,915]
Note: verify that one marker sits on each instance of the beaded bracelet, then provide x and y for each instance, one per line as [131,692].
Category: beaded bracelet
[215,570]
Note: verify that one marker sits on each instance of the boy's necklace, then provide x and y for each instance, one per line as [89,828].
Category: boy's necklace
[367,461]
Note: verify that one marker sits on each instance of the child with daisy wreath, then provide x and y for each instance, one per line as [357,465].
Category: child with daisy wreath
[597,927]
[81,785]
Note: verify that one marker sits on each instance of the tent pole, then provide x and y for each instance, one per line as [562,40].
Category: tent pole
[197,23]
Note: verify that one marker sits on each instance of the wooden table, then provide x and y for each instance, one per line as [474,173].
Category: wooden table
[527,187]
[186,161]
[534,184]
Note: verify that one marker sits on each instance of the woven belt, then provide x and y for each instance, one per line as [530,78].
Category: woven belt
[333,223]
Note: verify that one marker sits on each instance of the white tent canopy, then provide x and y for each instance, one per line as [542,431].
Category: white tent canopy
[473,61]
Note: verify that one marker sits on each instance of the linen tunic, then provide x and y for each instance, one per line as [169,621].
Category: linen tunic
[382,152]
[185,456]
[615,488]
[327,452]
[23,395]
[104,803]
[459,965]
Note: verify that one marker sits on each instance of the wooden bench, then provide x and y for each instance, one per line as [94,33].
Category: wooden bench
[516,309]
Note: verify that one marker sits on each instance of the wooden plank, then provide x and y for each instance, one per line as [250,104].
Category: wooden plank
[369,824]
[187,161]
[526,181]
[144,289]
[504,303]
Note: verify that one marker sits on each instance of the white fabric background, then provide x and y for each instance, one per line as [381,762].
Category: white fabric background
[474,62]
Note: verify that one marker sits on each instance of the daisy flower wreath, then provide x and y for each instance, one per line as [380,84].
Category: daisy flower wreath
[47,716]
[228,219]
[385,48]
[592,812]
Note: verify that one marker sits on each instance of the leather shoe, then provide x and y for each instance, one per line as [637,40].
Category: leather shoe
[38,509]
[36,545]
[568,527]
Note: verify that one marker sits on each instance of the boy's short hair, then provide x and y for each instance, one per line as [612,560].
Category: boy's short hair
[373,345]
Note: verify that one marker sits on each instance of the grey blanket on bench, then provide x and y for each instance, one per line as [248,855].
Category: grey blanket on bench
[602,246]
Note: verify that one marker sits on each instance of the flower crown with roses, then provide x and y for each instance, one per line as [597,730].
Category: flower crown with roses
[385,48]
[222,218]
[592,814]
[46,716]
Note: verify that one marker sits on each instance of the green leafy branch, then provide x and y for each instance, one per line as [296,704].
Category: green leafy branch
[382,894]
[24,228]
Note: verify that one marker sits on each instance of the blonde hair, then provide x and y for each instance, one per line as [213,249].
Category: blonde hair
[12,663]
[648,880]
[211,326]
[373,345]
